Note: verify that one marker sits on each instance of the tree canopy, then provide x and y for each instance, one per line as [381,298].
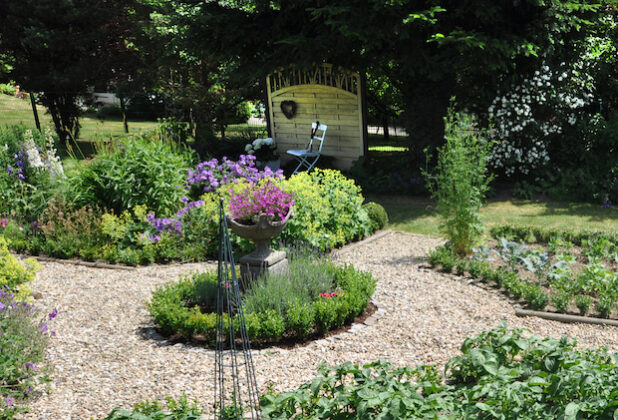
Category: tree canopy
[428,51]
[60,48]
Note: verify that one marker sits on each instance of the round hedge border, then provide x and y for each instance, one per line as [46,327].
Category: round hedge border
[303,322]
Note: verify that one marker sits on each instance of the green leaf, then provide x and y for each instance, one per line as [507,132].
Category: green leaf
[571,410]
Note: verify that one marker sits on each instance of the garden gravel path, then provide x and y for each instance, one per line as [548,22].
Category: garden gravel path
[107,353]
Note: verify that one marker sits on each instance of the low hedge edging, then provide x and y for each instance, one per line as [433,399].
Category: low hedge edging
[275,308]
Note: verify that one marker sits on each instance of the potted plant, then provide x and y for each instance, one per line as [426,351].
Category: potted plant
[265,152]
[259,213]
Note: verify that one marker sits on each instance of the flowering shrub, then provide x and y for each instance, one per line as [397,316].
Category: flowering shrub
[529,115]
[328,210]
[14,274]
[264,150]
[267,198]
[23,339]
[29,165]
[210,175]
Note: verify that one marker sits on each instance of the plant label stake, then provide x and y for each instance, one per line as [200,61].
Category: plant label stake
[236,395]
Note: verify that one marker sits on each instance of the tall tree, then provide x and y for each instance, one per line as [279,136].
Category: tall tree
[430,50]
[60,48]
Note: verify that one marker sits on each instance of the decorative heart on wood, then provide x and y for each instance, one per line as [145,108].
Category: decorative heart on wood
[289,109]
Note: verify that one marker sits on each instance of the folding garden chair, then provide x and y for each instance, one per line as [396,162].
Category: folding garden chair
[308,157]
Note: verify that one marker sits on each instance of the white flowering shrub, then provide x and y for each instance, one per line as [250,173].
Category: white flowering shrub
[28,165]
[263,149]
[531,114]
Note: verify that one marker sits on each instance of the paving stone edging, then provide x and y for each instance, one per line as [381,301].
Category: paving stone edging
[83,263]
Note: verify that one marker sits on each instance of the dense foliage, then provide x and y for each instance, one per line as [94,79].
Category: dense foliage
[144,170]
[137,201]
[377,214]
[501,373]
[328,212]
[315,297]
[180,409]
[14,274]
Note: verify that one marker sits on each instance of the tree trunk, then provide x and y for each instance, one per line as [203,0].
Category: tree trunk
[385,128]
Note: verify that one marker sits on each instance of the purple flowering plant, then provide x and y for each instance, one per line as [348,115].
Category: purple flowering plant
[23,339]
[208,176]
[260,199]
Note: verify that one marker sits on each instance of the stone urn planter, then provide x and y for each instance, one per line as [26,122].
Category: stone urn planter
[263,259]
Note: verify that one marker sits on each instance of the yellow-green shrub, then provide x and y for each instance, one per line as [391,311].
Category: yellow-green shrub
[13,273]
[329,209]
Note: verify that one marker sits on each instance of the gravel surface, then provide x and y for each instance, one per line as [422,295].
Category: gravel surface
[107,353]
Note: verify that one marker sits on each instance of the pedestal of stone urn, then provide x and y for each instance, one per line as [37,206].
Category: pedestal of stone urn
[263,260]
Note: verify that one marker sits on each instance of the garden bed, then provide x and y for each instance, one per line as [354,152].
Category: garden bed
[314,298]
[574,274]
[105,356]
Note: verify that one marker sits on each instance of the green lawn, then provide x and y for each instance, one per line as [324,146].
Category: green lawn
[15,111]
[419,215]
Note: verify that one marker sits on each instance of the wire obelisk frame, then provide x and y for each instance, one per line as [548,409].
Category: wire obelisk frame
[236,395]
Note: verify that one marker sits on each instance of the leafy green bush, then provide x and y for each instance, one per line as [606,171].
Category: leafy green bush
[13,273]
[583,303]
[23,340]
[561,301]
[605,305]
[500,375]
[328,212]
[300,318]
[139,170]
[314,296]
[460,182]
[8,89]
[535,296]
[377,215]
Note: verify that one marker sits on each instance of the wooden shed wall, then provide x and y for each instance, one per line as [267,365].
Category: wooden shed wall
[340,110]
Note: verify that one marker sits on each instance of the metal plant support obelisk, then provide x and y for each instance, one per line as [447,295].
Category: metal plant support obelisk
[236,395]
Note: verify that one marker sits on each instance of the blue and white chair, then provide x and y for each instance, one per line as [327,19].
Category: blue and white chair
[309,156]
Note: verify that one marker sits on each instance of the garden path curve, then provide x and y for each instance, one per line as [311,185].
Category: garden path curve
[107,354]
